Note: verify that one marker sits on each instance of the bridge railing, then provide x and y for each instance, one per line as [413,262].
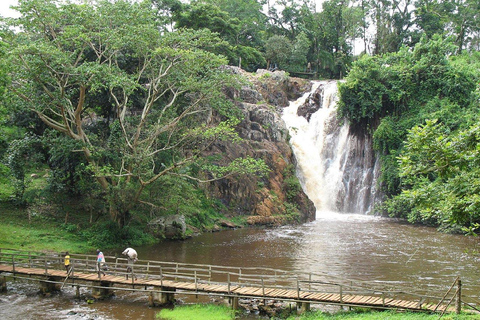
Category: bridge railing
[264,278]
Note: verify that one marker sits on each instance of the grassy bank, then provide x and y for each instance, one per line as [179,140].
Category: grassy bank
[214,312]
[46,221]
[381,315]
[25,229]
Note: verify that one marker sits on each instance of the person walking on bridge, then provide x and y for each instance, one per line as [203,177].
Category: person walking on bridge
[132,257]
[100,262]
[67,262]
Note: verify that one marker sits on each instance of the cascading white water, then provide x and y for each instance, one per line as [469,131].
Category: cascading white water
[337,170]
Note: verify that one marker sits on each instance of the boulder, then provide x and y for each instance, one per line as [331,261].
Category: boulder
[169,227]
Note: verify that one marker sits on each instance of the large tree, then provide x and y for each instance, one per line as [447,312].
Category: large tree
[241,34]
[138,104]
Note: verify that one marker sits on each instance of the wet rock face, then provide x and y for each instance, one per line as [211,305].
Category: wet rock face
[262,200]
[313,103]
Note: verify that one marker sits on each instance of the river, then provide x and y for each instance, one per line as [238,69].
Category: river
[336,245]
[341,246]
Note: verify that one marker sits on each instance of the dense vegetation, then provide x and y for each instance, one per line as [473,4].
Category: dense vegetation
[119,114]
[421,106]
[109,103]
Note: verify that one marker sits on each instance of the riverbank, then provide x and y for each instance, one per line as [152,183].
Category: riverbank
[42,229]
[48,228]
[213,312]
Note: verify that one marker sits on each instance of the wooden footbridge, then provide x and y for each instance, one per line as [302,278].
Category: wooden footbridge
[162,280]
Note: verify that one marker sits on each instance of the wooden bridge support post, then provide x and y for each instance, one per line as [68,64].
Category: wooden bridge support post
[233,302]
[47,287]
[458,308]
[303,307]
[3,284]
[161,298]
[101,290]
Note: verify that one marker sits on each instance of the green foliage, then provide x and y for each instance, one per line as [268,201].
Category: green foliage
[129,104]
[4,78]
[22,155]
[251,58]
[200,15]
[404,82]
[292,213]
[239,166]
[179,195]
[425,170]
[292,186]
[298,59]
[6,187]
[440,176]
[241,36]
[109,234]
[278,50]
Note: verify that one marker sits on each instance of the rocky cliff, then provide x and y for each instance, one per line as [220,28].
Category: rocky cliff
[278,197]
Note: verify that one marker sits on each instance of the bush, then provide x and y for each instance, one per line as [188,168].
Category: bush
[110,235]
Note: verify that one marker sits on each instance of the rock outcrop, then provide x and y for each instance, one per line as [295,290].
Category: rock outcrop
[268,200]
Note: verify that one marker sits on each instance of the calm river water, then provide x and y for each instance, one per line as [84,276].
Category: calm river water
[356,247]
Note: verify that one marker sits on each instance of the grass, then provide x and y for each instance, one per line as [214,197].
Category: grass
[22,230]
[197,312]
[381,315]
[216,312]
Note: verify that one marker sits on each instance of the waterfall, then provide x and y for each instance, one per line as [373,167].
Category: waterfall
[338,170]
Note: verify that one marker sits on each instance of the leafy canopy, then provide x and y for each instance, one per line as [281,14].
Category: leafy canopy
[138,103]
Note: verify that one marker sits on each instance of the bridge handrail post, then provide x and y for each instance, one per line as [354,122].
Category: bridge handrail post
[46,267]
[228,279]
[263,293]
[341,293]
[148,270]
[383,298]
[132,275]
[30,259]
[176,271]
[196,284]
[298,289]
[209,273]
[13,263]
[161,276]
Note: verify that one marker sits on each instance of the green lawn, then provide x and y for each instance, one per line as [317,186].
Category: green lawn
[215,312]
[24,230]
[197,312]
[382,315]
